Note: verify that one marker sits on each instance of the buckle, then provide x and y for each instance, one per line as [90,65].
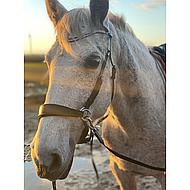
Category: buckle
[86,114]
[109,34]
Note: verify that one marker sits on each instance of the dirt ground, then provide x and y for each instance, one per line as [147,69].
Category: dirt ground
[82,179]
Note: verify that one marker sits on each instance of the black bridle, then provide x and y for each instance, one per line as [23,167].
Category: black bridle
[84,113]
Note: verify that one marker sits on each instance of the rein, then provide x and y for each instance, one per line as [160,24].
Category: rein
[84,113]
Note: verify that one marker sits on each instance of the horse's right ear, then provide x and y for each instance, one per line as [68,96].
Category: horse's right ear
[99,10]
[55,10]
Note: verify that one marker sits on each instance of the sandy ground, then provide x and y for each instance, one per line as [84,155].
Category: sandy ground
[81,179]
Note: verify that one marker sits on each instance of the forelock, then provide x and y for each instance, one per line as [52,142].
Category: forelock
[73,24]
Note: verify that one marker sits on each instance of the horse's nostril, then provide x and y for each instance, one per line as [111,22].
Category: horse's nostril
[44,170]
[47,162]
[56,162]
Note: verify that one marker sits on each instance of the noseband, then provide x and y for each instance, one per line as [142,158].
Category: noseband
[84,113]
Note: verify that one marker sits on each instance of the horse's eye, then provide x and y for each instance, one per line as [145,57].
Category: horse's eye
[92,62]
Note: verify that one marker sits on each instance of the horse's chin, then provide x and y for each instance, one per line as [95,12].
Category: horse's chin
[66,170]
[54,176]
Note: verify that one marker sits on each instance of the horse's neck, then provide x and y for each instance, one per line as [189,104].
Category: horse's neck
[136,123]
[139,102]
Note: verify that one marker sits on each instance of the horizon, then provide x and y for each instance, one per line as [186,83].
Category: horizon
[147,18]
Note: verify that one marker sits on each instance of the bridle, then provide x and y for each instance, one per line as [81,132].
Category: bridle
[84,113]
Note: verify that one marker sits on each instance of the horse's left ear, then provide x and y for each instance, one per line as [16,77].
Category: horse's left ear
[55,10]
[99,10]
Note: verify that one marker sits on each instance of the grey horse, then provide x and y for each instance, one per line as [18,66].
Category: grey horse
[136,123]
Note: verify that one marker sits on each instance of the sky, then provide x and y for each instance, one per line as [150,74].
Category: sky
[146,17]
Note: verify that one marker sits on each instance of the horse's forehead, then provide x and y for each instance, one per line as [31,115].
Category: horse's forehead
[76,23]
[83,49]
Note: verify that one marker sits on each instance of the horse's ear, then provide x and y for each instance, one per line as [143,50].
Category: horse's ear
[99,10]
[55,10]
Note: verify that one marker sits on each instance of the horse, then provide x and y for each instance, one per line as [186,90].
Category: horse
[133,102]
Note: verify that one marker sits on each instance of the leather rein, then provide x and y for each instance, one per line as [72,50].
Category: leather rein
[84,113]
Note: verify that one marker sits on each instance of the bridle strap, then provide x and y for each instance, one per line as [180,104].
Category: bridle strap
[98,84]
[126,158]
[58,110]
[76,38]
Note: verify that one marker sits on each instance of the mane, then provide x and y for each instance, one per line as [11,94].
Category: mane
[119,23]
[78,22]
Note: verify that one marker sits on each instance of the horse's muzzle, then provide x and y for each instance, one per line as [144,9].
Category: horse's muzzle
[43,172]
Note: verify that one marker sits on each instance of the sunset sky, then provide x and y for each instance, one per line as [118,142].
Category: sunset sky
[146,17]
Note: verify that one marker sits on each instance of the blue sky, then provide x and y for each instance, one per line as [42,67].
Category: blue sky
[146,17]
